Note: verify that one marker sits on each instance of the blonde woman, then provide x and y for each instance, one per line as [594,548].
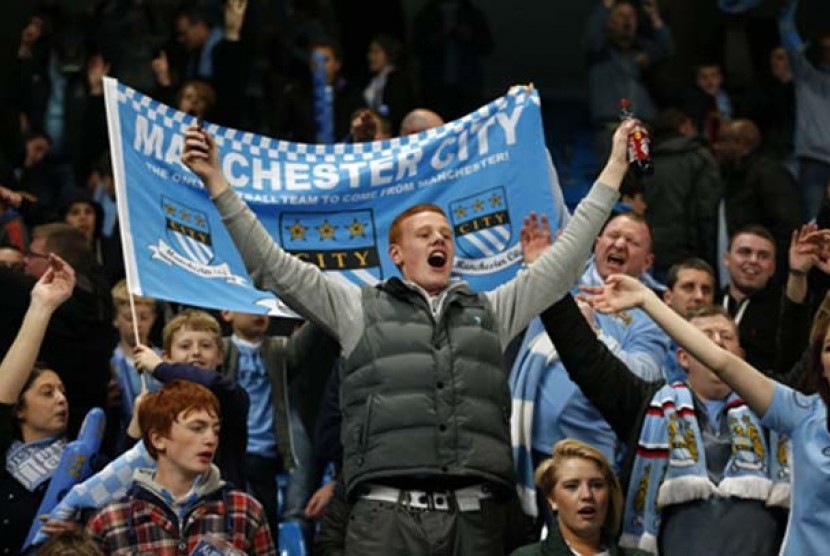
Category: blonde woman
[586,499]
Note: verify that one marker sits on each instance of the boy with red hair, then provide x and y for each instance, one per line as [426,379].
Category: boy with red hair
[183,507]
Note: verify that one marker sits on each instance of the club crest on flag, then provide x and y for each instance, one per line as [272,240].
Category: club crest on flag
[343,241]
[188,230]
[481,223]
[191,243]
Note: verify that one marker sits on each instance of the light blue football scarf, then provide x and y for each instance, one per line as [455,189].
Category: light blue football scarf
[33,463]
[670,464]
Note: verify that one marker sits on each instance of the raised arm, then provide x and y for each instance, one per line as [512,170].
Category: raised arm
[623,292]
[551,276]
[605,380]
[790,38]
[596,37]
[53,288]
[794,320]
[331,303]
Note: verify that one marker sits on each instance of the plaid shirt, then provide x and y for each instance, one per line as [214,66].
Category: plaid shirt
[142,523]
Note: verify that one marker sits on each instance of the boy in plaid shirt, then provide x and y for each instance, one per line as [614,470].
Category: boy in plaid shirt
[183,507]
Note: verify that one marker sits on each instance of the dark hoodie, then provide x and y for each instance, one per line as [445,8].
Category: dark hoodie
[682,197]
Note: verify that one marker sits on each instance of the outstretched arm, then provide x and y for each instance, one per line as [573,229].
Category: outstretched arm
[53,288]
[551,276]
[623,292]
[331,303]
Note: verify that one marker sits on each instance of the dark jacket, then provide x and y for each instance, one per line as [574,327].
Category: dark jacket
[18,506]
[398,98]
[682,197]
[758,326]
[307,351]
[443,409]
[760,190]
[555,545]
[772,106]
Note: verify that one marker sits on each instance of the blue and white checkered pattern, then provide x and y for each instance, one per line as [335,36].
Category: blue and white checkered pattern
[108,485]
[257,145]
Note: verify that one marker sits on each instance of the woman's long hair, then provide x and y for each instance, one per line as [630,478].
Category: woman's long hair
[816,379]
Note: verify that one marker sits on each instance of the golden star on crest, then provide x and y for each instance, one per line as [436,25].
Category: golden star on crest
[478,205]
[184,215]
[461,212]
[357,229]
[326,230]
[495,200]
[200,221]
[297,231]
[170,209]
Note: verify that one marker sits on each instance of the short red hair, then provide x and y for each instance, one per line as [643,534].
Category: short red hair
[395,228]
[177,399]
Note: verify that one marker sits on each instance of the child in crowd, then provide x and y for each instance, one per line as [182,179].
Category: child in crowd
[193,350]
[183,505]
[277,442]
[123,367]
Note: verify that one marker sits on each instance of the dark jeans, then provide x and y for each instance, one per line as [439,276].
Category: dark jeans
[331,538]
[387,528]
[261,478]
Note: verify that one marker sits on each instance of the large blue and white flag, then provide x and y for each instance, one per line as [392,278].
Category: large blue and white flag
[330,205]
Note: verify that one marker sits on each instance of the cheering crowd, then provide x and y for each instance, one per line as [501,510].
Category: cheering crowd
[654,379]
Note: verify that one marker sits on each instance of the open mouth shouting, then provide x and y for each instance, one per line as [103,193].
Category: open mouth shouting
[437,259]
[206,456]
[615,261]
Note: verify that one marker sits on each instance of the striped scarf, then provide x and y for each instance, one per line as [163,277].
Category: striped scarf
[33,463]
[670,464]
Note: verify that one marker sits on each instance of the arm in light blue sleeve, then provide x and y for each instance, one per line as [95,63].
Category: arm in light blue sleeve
[642,345]
[106,486]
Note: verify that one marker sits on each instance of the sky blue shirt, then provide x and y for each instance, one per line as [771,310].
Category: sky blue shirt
[804,420]
[253,377]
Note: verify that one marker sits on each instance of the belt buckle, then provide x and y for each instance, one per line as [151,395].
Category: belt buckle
[440,501]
